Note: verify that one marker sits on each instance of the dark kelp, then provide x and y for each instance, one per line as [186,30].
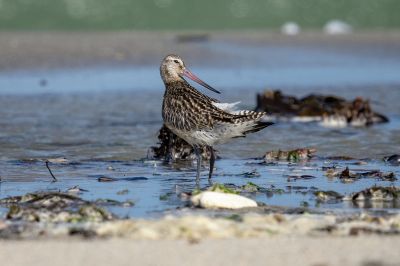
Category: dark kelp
[356,112]
[348,176]
[54,207]
[393,159]
[171,148]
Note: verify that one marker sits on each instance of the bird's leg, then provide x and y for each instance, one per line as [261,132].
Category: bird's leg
[198,155]
[169,152]
[212,161]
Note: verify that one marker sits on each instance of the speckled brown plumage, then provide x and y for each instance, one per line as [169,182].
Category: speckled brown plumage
[185,108]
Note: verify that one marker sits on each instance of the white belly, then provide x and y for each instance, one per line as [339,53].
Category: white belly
[197,137]
[210,137]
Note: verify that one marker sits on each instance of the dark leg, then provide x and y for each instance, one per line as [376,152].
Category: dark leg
[198,155]
[212,161]
[169,152]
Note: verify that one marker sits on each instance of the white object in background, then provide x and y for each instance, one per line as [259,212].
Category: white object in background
[334,27]
[290,28]
[214,200]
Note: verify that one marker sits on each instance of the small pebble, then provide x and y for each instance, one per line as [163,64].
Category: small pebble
[123,192]
[361,163]
[76,190]
[58,160]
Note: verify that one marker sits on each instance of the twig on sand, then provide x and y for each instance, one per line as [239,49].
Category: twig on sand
[51,173]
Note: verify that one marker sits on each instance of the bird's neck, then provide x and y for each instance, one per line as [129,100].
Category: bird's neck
[176,84]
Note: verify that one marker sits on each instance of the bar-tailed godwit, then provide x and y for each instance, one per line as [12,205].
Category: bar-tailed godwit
[198,119]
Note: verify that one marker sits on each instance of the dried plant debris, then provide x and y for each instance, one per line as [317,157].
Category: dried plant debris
[271,191]
[234,224]
[348,176]
[56,207]
[292,155]
[250,174]
[57,160]
[113,179]
[330,110]
[366,198]
[172,148]
[166,196]
[340,158]
[251,187]
[106,179]
[249,226]
[300,177]
[123,192]
[76,190]
[111,202]
[328,196]
[376,193]
[228,188]
[393,159]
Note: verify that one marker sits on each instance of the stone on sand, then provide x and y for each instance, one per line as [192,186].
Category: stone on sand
[218,200]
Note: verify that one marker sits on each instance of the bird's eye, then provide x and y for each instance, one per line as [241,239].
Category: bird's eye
[176,61]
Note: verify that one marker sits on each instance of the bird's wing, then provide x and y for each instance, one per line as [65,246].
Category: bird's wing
[188,109]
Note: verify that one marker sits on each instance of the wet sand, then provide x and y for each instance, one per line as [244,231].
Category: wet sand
[356,251]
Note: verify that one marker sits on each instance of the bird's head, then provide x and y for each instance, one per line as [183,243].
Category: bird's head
[173,69]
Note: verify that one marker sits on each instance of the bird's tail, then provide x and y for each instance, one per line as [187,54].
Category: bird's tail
[259,125]
[251,121]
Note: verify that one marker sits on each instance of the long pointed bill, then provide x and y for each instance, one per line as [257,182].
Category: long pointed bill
[190,75]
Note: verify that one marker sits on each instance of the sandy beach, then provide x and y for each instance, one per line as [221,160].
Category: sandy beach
[329,251]
[256,240]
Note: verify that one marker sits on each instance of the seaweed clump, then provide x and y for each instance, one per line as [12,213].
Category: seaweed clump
[377,193]
[347,176]
[392,159]
[173,148]
[53,207]
[330,109]
[292,155]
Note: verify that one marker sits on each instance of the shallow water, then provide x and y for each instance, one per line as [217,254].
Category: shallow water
[105,117]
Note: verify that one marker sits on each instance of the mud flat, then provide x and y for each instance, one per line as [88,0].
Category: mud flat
[30,50]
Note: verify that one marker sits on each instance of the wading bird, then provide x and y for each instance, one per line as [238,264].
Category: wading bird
[198,119]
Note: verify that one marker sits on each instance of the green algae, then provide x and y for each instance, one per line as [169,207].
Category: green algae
[251,187]
[222,188]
